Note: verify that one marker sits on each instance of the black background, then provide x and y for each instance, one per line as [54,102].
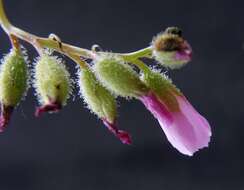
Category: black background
[72,149]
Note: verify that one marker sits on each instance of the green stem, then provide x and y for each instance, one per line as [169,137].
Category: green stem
[146,52]
[69,50]
[3,18]
[141,65]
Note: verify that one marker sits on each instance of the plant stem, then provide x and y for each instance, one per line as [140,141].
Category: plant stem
[73,52]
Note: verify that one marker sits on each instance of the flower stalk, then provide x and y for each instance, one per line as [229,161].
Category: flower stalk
[73,52]
[101,79]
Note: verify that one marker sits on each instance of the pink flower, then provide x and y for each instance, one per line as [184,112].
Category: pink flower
[183,126]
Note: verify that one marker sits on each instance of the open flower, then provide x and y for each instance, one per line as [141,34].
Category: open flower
[183,126]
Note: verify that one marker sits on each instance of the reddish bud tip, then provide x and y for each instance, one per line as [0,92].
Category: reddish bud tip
[123,136]
[51,107]
[6,112]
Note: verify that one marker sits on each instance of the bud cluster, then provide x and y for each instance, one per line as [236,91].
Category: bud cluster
[100,81]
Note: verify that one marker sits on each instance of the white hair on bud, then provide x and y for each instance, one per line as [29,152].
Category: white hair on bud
[78,81]
[95,96]
[127,86]
[61,63]
[24,55]
[27,62]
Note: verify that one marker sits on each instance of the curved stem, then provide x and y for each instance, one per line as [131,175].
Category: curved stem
[146,52]
[75,53]
[141,65]
[3,18]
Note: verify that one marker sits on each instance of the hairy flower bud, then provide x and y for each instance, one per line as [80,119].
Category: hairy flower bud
[52,84]
[13,83]
[118,77]
[163,87]
[170,49]
[101,102]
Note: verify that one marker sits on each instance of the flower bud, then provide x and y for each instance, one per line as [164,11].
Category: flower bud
[101,102]
[118,77]
[13,83]
[52,84]
[99,99]
[170,49]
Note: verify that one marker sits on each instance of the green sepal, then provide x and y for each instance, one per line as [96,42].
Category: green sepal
[163,88]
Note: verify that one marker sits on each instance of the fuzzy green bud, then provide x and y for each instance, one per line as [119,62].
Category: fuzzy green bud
[13,78]
[170,49]
[13,83]
[52,83]
[163,88]
[101,102]
[118,77]
[98,99]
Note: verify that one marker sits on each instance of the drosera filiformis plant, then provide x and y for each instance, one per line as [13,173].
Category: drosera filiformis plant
[102,80]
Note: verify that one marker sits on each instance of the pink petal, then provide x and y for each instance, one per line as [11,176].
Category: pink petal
[123,136]
[50,107]
[6,112]
[185,53]
[186,129]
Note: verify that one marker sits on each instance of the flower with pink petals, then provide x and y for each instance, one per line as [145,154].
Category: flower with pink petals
[183,126]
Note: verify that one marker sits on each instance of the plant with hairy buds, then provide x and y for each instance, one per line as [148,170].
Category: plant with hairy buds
[104,78]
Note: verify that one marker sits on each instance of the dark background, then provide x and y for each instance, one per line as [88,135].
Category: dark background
[72,149]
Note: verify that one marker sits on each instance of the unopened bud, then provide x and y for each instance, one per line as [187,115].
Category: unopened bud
[118,77]
[52,83]
[13,83]
[101,102]
[170,49]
